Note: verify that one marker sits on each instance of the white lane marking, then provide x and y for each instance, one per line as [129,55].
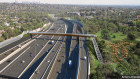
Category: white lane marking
[34,58]
[14,60]
[20,43]
[50,63]
[79,60]
[55,60]
[20,54]
[26,41]
[44,59]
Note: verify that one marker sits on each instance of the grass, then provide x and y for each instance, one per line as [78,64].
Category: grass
[118,36]
[93,63]
[93,60]
[25,35]
[138,39]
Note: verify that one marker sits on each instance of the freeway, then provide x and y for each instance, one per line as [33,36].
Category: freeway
[82,73]
[17,64]
[61,69]
[43,68]
[83,52]
[73,55]
[41,60]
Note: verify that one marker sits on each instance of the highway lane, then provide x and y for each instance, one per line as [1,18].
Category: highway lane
[14,65]
[55,72]
[43,68]
[33,44]
[30,51]
[82,73]
[58,70]
[61,69]
[83,52]
[13,57]
[5,51]
[73,55]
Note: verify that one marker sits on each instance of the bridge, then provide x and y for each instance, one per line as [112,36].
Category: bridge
[62,34]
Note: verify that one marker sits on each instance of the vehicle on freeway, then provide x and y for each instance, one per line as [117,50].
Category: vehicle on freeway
[22,61]
[85,57]
[19,46]
[37,72]
[52,42]
[36,44]
[48,61]
[31,54]
[9,61]
[70,63]
[52,29]
[47,51]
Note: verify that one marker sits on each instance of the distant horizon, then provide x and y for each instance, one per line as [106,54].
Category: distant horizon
[75,4]
[79,2]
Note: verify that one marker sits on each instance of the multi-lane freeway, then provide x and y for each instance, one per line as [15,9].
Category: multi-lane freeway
[41,59]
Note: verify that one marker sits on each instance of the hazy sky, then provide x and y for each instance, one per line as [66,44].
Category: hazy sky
[91,2]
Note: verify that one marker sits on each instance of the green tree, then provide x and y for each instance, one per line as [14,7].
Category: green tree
[105,34]
[5,35]
[131,36]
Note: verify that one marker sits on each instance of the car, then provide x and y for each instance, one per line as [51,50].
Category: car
[47,51]
[59,60]
[22,61]
[70,63]
[9,61]
[52,42]
[36,44]
[52,29]
[31,54]
[37,72]
[48,61]
[19,46]
[85,57]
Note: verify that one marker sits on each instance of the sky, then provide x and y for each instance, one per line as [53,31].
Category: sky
[86,2]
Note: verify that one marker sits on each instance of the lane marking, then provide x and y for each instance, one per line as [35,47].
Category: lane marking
[50,63]
[45,58]
[3,60]
[55,60]
[14,60]
[34,58]
[18,44]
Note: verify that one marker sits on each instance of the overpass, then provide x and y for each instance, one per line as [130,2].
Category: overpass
[62,34]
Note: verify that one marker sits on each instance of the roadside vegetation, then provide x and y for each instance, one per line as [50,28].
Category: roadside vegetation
[118,39]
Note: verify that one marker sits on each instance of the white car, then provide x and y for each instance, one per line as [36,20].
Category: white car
[52,42]
[37,72]
[70,63]
[19,46]
[22,61]
[85,57]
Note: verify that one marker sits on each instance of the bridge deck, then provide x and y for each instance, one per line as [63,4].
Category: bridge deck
[63,34]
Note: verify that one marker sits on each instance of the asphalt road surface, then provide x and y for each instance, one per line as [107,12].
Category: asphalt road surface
[61,69]
[22,60]
[42,60]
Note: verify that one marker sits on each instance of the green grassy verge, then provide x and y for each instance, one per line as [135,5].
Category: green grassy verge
[118,36]
[93,60]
